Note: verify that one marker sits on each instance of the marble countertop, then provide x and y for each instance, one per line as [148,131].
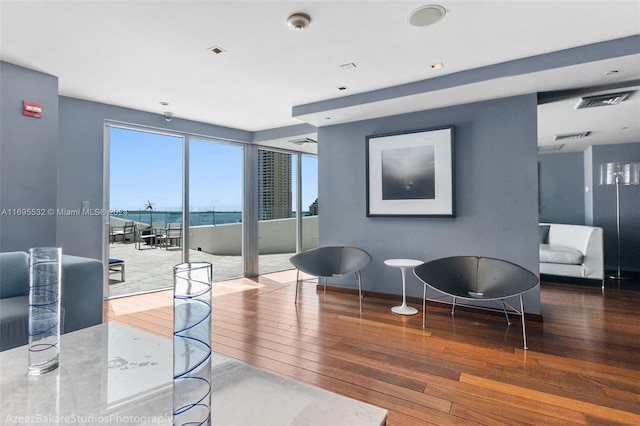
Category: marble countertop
[113,374]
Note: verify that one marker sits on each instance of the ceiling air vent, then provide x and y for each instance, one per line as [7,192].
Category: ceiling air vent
[571,136]
[303,141]
[603,100]
[549,148]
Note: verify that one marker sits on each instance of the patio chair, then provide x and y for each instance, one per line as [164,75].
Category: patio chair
[331,261]
[144,236]
[126,232]
[117,265]
[173,232]
[158,226]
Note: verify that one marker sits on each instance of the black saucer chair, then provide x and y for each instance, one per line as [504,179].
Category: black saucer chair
[331,261]
[477,278]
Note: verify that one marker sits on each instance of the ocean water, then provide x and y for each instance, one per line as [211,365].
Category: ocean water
[195,218]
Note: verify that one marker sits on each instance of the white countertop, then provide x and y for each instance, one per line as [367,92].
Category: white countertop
[113,374]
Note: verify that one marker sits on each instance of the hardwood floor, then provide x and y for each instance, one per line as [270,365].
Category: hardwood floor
[582,366]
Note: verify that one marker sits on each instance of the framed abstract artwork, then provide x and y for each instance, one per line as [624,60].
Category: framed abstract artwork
[411,173]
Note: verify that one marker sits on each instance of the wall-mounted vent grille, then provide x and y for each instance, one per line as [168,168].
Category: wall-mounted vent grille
[603,100]
[303,141]
[571,136]
[549,148]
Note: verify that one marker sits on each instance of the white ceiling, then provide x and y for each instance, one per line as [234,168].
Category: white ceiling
[137,54]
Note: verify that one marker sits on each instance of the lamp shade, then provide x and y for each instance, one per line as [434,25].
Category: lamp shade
[627,173]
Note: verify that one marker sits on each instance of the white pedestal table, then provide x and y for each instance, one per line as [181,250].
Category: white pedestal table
[403,264]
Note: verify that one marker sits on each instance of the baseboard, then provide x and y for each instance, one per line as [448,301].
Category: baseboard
[559,279]
[418,301]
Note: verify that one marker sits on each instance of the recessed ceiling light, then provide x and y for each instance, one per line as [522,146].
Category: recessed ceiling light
[343,88]
[426,15]
[163,103]
[216,50]
[612,72]
[437,66]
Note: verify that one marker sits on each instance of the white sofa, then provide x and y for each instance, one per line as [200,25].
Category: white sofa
[572,251]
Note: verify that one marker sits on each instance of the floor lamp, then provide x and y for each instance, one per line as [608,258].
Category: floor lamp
[619,174]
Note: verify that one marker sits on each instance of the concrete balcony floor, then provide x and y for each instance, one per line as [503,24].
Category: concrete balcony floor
[151,268]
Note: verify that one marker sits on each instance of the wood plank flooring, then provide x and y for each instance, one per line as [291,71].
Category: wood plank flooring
[582,366]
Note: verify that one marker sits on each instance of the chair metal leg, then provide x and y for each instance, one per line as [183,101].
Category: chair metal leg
[453,307]
[524,332]
[325,285]
[357,273]
[504,308]
[297,284]
[424,306]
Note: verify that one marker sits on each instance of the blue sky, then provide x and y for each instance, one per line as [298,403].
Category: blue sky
[148,167]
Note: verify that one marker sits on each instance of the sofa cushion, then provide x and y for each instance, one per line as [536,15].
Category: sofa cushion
[14,274]
[550,253]
[14,322]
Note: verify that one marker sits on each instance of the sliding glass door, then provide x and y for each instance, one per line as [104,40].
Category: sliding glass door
[309,202]
[177,197]
[215,200]
[145,191]
[287,207]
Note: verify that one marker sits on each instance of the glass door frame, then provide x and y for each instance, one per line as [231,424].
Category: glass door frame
[106,192]
[298,203]
[250,251]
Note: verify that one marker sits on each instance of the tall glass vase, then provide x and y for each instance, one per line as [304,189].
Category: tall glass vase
[192,343]
[44,309]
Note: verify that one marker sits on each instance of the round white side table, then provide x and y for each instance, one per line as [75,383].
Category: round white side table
[403,264]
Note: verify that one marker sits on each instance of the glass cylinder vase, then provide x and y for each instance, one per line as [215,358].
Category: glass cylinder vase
[44,309]
[192,343]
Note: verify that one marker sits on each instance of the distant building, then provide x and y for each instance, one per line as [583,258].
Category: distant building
[313,208]
[274,185]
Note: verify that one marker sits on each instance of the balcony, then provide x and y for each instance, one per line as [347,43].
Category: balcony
[151,268]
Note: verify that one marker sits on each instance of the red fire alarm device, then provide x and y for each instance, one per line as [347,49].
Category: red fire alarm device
[31,109]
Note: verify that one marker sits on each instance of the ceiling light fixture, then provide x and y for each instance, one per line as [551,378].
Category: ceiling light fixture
[298,21]
[216,50]
[437,66]
[348,66]
[426,15]
[343,88]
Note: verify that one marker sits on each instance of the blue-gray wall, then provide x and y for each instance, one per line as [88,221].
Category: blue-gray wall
[561,188]
[28,158]
[496,192]
[604,208]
